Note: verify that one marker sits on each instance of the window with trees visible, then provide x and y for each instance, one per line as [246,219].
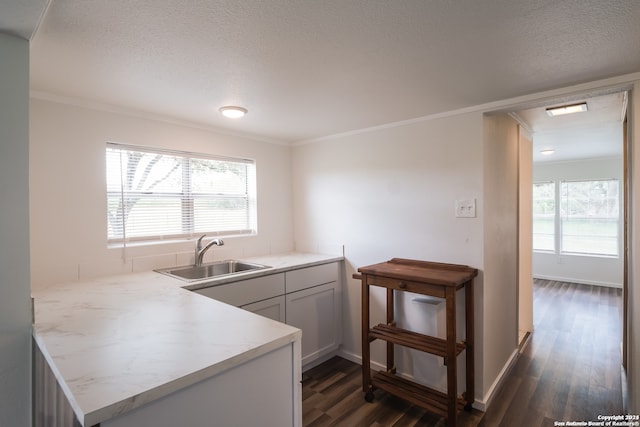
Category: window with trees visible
[159,194]
[589,211]
[584,215]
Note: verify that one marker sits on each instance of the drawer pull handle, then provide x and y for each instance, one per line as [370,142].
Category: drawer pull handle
[402,285]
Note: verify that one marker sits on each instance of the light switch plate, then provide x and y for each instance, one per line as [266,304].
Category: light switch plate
[466,208]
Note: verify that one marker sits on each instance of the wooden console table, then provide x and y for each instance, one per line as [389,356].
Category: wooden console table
[427,278]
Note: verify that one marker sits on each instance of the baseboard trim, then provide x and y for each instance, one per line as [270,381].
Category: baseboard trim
[495,387]
[318,359]
[581,281]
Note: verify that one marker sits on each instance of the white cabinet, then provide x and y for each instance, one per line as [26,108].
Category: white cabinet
[308,298]
[314,305]
[272,308]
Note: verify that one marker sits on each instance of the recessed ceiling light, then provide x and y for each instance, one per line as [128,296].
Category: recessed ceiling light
[567,109]
[233,112]
[547,151]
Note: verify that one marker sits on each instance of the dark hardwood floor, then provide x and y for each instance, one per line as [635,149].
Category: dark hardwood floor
[569,371]
[332,396]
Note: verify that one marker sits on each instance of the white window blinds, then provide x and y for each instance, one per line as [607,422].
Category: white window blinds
[160,194]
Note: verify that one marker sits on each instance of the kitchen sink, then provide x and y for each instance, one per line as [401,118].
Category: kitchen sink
[191,273]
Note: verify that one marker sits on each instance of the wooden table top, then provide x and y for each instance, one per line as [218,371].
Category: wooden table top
[422,271]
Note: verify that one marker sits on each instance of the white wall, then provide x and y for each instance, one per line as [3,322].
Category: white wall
[603,271]
[391,193]
[633,367]
[68,196]
[500,286]
[15,304]
[525,233]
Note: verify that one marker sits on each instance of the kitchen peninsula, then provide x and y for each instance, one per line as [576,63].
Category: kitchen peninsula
[140,349]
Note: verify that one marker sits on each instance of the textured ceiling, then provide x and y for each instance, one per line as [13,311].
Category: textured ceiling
[595,133]
[311,68]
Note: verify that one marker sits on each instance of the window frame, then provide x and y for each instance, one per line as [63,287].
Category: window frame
[563,217]
[559,220]
[187,196]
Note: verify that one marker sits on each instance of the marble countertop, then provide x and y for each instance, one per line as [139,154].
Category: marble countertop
[119,342]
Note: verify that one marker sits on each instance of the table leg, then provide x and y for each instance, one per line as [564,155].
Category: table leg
[450,359]
[366,363]
[391,363]
[470,334]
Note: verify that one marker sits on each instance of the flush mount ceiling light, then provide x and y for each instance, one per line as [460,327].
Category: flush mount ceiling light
[567,109]
[232,112]
[547,151]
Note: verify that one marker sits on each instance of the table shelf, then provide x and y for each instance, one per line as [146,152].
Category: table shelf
[427,278]
[432,400]
[414,340]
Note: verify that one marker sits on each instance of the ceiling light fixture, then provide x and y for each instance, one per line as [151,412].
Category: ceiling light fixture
[547,151]
[567,109]
[233,112]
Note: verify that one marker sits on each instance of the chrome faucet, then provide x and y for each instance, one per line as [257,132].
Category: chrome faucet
[200,251]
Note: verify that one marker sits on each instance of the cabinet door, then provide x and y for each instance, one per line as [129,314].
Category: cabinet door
[246,291]
[273,308]
[317,311]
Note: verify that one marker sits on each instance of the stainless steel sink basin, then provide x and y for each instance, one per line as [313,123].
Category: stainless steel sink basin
[192,273]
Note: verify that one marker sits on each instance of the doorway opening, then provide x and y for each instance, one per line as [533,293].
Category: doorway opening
[575,178]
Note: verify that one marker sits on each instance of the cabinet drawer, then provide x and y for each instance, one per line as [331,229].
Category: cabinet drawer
[406,285]
[246,291]
[311,276]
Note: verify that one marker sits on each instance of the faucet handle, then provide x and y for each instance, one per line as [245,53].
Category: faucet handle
[199,242]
